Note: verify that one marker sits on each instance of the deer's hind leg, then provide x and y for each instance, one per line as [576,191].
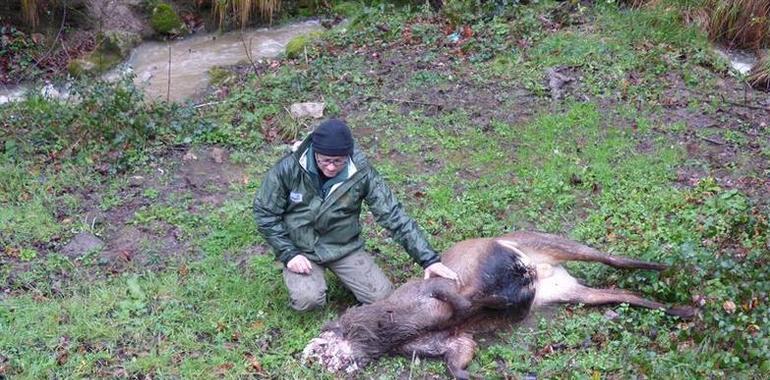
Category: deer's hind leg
[544,248]
[560,287]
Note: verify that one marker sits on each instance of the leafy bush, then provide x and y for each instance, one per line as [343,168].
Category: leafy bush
[97,123]
[19,54]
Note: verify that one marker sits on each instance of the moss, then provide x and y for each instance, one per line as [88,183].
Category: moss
[113,47]
[165,21]
[78,67]
[297,45]
[219,75]
[95,63]
[118,42]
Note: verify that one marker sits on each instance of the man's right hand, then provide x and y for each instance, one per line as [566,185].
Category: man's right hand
[299,264]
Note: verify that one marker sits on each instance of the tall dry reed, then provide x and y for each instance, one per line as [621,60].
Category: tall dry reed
[244,10]
[739,23]
[759,76]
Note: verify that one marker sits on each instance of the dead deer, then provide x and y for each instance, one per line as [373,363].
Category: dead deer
[502,278]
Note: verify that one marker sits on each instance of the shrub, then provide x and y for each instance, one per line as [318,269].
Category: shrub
[98,123]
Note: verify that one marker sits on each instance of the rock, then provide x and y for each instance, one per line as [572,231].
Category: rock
[82,244]
[119,42]
[136,181]
[611,315]
[94,217]
[80,66]
[123,15]
[165,21]
[219,155]
[145,77]
[556,81]
[114,47]
[309,109]
[296,46]
[219,76]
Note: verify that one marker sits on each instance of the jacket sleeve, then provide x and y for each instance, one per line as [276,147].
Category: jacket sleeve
[269,206]
[390,214]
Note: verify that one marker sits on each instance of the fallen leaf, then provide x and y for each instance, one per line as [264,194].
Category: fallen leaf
[62,357]
[467,31]
[183,270]
[12,251]
[253,363]
[257,325]
[223,369]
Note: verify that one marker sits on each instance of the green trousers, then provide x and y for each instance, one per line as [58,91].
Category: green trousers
[357,271]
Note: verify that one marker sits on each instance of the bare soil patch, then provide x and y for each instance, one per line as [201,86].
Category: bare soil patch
[201,176]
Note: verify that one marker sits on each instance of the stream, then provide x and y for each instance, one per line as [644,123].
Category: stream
[192,57]
[190,60]
[187,61]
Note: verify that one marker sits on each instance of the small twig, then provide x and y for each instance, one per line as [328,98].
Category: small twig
[168,83]
[248,52]
[289,112]
[394,100]
[206,104]
[343,76]
[50,48]
[709,139]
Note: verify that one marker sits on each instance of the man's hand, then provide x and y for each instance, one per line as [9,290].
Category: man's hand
[300,264]
[441,270]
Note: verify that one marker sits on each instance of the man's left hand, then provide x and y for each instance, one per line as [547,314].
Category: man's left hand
[441,270]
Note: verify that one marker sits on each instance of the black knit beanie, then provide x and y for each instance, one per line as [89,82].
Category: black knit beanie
[333,138]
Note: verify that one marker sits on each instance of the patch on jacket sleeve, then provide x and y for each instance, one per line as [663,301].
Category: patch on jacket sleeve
[295,197]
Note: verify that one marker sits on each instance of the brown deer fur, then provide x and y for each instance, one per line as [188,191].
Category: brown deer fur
[500,278]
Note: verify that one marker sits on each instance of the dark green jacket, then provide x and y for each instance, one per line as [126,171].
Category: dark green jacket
[294,219]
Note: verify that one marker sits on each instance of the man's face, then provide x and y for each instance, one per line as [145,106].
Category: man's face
[330,165]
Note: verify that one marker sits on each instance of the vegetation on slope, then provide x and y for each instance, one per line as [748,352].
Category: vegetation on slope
[641,155]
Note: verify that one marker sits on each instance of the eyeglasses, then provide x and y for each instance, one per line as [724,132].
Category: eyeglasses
[337,162]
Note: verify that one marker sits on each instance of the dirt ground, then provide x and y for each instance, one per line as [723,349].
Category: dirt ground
[204,176]
[726,145]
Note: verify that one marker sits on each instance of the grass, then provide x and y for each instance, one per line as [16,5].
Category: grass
[741,23]
[600,168]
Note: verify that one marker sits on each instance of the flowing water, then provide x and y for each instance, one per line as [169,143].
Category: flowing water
[190,60]
[192,57]
[740,60]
